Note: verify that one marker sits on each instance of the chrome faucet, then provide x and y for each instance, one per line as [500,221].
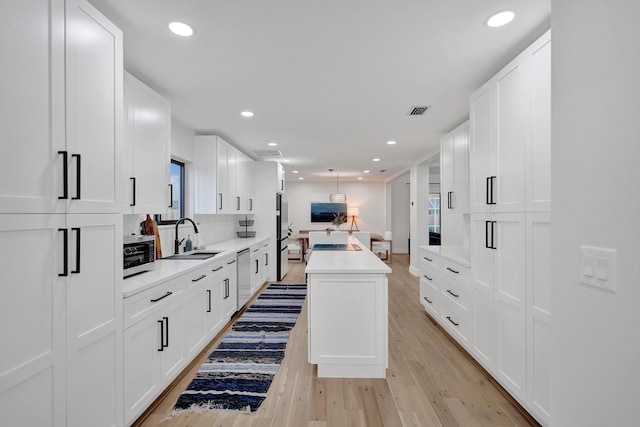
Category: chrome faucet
[177,242]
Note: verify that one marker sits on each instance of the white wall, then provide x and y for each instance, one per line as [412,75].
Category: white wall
[368,197]
[595,155]
[399,202]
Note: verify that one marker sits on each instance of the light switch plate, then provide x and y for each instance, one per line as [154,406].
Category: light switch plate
[598,267]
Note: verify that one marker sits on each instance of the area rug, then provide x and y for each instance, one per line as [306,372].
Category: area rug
[237,375]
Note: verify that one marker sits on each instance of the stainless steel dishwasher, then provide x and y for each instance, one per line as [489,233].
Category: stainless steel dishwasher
[244,277]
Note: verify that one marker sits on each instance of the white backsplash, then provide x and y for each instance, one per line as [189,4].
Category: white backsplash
[212,228]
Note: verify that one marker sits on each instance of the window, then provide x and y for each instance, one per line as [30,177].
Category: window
[177,204]
[434,219]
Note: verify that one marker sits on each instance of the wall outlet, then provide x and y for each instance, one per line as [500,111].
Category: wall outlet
[598,267]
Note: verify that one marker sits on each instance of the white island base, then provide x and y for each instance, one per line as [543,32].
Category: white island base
[348,314]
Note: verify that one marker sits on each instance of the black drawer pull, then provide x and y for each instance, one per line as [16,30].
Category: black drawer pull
[430,260]
[231,262]
[449,319]
[199,278]
[78,177]
[451,293]
[217,269]
[256,250]
[427,300]
[427,277]
[162,297]
[65,175]
[209,294]
[161,335]
[453,271]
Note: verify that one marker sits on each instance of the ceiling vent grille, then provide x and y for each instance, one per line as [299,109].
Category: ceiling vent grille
[271,154]
[418,110]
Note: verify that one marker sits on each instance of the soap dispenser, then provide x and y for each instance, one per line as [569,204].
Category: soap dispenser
[188,245]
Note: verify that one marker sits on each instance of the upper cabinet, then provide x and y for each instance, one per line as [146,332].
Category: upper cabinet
[224,177]
[510,136]
[454,161]
[148,148]
[64,96]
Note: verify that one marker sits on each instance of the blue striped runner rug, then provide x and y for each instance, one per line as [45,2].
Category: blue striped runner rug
[237,375]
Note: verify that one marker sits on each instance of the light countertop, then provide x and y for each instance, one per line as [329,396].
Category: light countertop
[350,262]
[167,269]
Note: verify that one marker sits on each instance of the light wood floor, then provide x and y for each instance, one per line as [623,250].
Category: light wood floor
[430,382]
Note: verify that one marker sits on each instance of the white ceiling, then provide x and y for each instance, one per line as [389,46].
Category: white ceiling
[329,81]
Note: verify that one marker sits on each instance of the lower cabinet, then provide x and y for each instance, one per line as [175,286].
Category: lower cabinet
[153,346]
[230,289]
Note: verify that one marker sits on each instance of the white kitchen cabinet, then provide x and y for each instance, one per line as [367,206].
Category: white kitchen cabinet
[280,178]
[148,148]
[94,320]
[499,288]
[260,265]
[64,109]
[223,177]
[32,310]
[73,147]
[454,166]
[510,135]
[154,344]
[201,300]
[539,348]
[229,289]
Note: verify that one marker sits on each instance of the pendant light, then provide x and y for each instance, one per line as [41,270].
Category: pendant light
[337,197]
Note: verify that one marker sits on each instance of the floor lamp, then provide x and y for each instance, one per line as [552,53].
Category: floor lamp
[353,213]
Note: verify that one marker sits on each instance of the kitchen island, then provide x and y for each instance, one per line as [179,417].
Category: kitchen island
[347,312]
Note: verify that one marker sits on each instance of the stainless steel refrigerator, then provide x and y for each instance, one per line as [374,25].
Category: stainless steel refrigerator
[282,233]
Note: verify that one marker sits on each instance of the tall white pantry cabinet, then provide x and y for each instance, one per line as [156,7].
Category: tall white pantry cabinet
[510,225]
[61,231]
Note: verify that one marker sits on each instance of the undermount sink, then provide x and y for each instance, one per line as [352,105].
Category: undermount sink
[194,255]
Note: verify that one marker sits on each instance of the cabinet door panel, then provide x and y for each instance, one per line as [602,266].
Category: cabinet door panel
[197,304]
[222,174]
[513,131]
[94,319]
[32,107]
[482,132]
[94,109]
[32,318]
[205,167]
[173,356]
[461,168]
[447,172]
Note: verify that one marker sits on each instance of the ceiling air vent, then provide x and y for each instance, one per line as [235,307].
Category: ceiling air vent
[418,110]
[269,154]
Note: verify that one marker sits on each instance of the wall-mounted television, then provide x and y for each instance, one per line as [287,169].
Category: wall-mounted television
[326,212]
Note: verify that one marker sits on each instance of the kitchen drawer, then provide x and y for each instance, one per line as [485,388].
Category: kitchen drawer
[456,292]
[430,276]
[143,304]
[429,260]
[456,320]
[456,271]
[429,298]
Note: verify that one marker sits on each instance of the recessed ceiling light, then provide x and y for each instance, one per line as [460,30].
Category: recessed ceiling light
[376,159]
[360,177]
[285,160]
[301,178]
[246,114]
[391,142]
[295,172]
[366,171]
[499,19]
[272,144]
[181,29]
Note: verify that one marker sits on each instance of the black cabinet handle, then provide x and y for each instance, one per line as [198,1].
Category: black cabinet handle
[487,191]
[428,278]
[65,252]
[427,300]
[133,182]
[486,234]
[430,260]
[162,297]
[492,180]
[237,203]
[451,293]
[161,335]
[77,270]
[65,176]
[77,196]
[449,319]
[266,259]
[199,278]
[250,204]
[170,195]
[231,262]
[452,270]
[256,250]
[220,194]
[209,292]
[282,184]
[493,235]
[217,269]
[226,288]
[256,266]
[450,199]
[166,331]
